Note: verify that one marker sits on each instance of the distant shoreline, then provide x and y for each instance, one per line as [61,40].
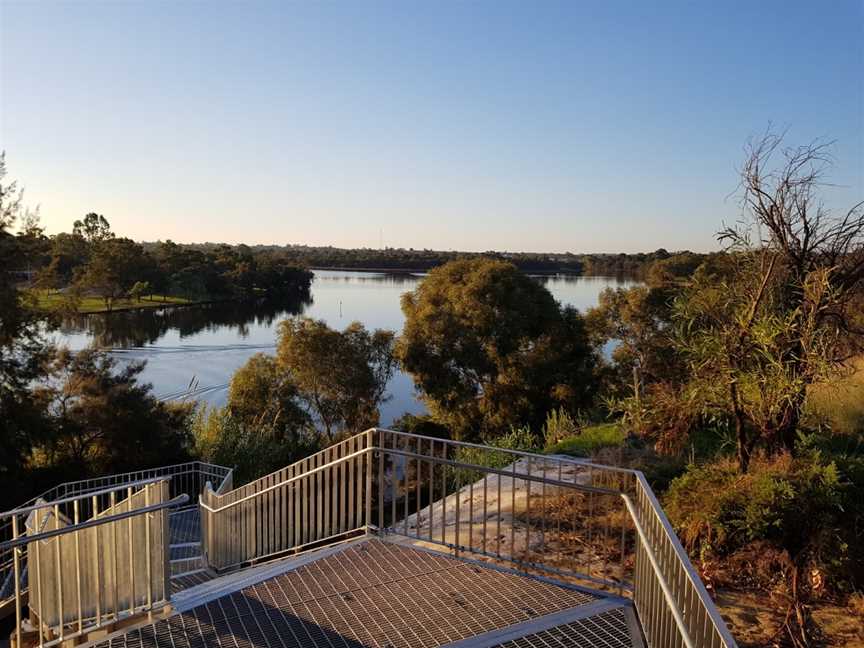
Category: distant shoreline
[425,270]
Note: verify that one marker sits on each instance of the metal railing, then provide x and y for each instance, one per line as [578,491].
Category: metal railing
[106,562]
[186,478]
[583,522]
[586,523]
[320,499]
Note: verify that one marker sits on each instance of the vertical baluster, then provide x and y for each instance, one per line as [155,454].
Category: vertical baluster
[405,466]
[295,509]
[528,512]
[562,498]
[513,514]
[149,553]
[443,494]
[393,459]
[369,445]
[16,553]
[39,597]
[319,488]
[113,502]
[76,517]
[305,497]
[498,517]
[58,567]
[624,518]
[327,476]
[431,486]
[457,536]
[131,554]
[96,562]
[471,512]
[485,493]
[589,522]
[418,471]
[381,482]
[352,510]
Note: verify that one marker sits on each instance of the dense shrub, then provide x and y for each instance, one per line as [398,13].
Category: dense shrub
[520,439]
[783,505]
[422,424]
[559,425]
[252,450]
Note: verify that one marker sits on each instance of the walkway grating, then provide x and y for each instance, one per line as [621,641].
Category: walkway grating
[185,526]
[376,594]
[607,630]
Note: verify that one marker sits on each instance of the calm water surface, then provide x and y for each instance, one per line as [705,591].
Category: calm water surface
[193,352]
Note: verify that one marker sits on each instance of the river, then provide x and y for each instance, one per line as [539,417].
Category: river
[192,352]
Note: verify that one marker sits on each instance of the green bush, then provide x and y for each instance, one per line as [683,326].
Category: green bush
[796,506]
[559,426]
[252,450]
[520,439]
[590,440]
[422,424]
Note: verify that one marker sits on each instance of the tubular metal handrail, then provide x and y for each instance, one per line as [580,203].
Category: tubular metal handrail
[672,603]
[67,595]
[287,482]
[89,524]
[576,519]
[66,500]
[277,476]
[87,497]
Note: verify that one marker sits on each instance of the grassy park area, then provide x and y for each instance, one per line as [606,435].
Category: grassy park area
[50,300]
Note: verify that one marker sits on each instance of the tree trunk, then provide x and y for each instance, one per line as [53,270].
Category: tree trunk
[744,444]
[787,429]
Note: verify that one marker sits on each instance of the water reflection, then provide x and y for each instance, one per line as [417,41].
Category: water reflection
[145,327]
[393,278]
[194,351]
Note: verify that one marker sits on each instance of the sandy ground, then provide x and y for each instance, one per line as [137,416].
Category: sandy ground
[534,529]
[754,623]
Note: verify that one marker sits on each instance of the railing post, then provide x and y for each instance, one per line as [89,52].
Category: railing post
[370,437]
[17,576]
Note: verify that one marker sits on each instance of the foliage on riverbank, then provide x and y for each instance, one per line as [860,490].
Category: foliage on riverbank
[93,262]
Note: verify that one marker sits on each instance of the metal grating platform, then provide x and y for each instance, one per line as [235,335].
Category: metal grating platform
[383,595]
[180,583]
[606,630]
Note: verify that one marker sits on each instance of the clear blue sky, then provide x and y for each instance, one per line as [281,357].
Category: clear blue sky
[601,126]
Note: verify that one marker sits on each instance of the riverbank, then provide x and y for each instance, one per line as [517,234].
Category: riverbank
[423,271]
[54,301]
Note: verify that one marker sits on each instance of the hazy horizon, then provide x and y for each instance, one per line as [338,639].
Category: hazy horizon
[474,126]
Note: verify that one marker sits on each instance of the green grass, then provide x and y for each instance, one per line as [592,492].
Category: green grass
[840,402]
[51,301]
[590,440]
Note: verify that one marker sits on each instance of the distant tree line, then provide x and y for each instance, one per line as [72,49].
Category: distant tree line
[406,259]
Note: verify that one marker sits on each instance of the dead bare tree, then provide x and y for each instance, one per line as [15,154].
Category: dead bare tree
[817,270]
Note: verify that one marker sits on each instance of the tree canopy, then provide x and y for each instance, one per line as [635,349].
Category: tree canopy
[488,347]
[341,376]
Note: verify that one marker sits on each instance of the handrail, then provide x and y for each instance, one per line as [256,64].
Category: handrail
[73,498]
[45,535]
[500,471]
[667,591]
[285,469]
[195,462]
[521,453]
[282,484]
[678,548]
